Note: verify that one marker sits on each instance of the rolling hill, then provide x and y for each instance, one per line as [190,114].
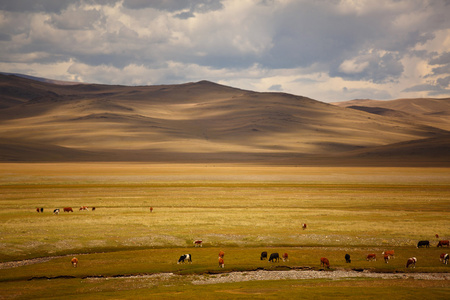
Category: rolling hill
[204,122]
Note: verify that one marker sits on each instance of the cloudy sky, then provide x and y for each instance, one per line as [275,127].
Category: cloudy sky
[329,50]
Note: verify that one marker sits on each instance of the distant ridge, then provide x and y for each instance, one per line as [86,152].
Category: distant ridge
[205,122]
[61,82]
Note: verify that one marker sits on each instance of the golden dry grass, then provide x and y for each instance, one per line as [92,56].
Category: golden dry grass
[242,209]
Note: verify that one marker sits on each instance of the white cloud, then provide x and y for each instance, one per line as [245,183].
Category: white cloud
[352,66]
[326,50]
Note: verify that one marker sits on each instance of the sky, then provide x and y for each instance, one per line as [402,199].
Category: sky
[328,50]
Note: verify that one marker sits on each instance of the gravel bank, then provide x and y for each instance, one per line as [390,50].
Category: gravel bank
[310,274]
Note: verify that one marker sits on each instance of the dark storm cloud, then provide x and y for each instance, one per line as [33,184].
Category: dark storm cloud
[77,19]
[48,6]
[191,6]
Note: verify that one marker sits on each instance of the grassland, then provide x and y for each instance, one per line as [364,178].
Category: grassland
[242,210]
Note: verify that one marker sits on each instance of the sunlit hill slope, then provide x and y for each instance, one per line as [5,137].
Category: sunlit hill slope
[204,122]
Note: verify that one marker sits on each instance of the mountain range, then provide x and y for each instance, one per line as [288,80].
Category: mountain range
[203,122]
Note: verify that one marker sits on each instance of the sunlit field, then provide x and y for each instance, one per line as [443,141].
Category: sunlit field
[240,209]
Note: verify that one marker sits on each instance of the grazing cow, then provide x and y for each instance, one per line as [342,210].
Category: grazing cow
[285,257]
[221,254]
[56,211]
[274,256]
[437,235]
[304,226]
[371,257]
[93,208]
[446,257]
[84,208]
[42,209]
[263,255]
[386,258]
[37,209]
[198,243]
[325,262]
[411,262]
[221,263]
[421,244]
[184,257]
[74,262]
[347,258]
[443,243]
[67,209]
[389,253]
[151,209]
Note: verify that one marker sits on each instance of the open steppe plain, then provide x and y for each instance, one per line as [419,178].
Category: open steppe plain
[125,251]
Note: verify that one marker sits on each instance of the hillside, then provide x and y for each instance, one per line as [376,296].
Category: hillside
[203,122]
[429,111]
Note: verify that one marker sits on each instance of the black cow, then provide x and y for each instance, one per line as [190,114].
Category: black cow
[184,257]
[263,255]
[347,258]
[421,244]
[274,256]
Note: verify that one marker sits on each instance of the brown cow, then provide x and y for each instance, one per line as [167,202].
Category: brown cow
[444,258]
[74,262]
[389,253]
[198,243]
[221,254]
[371,257]
[325,262]
[304,226]
[285,257]
[84,208]
[221,262]
[443,243]
[67,209]
[386,258]
[411,262]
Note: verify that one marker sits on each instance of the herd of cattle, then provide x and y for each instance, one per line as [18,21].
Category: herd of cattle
[324,262]
[65,209]
[275,257]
